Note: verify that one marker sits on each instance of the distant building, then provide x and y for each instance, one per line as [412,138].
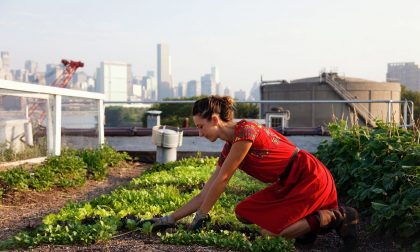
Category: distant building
[240,95]
[79,81]
[227,92]
[53,71]
[164,75]
[215,74]
[150,73]
[113,80]
[254,93]
[193,88]
[20,75]
[138,91]
[182,89]
[5,60]
[406,73]
[208,85]
[31,66]
[5,72]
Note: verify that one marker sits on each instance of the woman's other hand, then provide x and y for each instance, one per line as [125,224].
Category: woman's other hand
[200,219]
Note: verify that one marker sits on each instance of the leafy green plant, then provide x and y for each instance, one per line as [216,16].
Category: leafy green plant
[16,178]
[70,169]
[378,170]
[147,228]
[159,191]
[96,165]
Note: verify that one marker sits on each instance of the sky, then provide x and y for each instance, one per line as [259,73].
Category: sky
[245,39]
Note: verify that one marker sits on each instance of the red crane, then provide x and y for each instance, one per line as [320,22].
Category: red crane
[70,68]
[62,81]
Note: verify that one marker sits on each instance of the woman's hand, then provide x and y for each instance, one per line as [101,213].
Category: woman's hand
[160,224]
[200,219]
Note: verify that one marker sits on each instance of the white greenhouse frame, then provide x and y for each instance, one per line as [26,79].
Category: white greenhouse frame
[53,96]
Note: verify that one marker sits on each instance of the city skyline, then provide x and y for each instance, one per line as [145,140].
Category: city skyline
[244,39]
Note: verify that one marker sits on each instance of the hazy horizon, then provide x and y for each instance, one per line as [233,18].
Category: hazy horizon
[244,39]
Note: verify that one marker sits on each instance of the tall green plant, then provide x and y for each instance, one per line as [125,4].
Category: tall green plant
[379,171]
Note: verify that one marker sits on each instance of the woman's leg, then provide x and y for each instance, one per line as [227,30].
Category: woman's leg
[321,219]
[297,229]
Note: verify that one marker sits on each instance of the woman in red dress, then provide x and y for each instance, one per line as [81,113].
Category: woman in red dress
[301,198]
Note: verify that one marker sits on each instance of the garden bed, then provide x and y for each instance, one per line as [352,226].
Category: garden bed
[23,210]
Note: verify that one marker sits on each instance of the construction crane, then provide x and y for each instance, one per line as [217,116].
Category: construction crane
[70,68]
[62,81]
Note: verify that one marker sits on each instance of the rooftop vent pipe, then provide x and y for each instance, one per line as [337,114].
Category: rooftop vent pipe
[166,139]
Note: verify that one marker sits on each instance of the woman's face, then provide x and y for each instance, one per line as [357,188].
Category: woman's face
[206,128]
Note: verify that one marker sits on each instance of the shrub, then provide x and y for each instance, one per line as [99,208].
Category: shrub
[378,171]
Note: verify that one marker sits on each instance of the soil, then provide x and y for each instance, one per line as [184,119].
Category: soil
[21,210]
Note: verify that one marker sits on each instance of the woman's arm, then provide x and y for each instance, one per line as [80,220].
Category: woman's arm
[236,154]
[192,205]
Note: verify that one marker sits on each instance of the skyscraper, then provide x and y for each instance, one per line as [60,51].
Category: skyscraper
[113,80]
[164,75]
[5,66]
[240,95]
[31,66]
[193,88]
[215,74]
[53,71]
[5,60]
[407,73]
[208,86]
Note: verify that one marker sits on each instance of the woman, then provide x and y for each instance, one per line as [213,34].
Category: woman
[302,197]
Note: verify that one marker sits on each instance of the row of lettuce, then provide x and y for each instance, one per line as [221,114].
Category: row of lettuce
[72,168]
[376,170]
[160,190]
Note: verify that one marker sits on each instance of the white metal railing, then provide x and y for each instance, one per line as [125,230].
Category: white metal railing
[53,97]
[408,106]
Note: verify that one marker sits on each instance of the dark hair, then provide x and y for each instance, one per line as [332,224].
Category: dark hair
[214,104]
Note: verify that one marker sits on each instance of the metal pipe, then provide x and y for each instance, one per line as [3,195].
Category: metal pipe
[137,131]
[405,122]
[260,101]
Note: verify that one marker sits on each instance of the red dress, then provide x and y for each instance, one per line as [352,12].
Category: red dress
[308,187]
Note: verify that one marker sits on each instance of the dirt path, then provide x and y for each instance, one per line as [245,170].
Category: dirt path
[26,209]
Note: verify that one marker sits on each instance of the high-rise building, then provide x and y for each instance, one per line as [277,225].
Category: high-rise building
[53,71]
[164,75]
[193,88]
[215,74]
[31,66]
[113,80]
[240,95]
[5,60]
[208,86]
[5,72]
[79,81]
[20,75]
[182,89]
[227,92]
[407,73]
[254,93]
[149,84]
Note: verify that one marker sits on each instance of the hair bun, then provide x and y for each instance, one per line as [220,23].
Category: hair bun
[228,100]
